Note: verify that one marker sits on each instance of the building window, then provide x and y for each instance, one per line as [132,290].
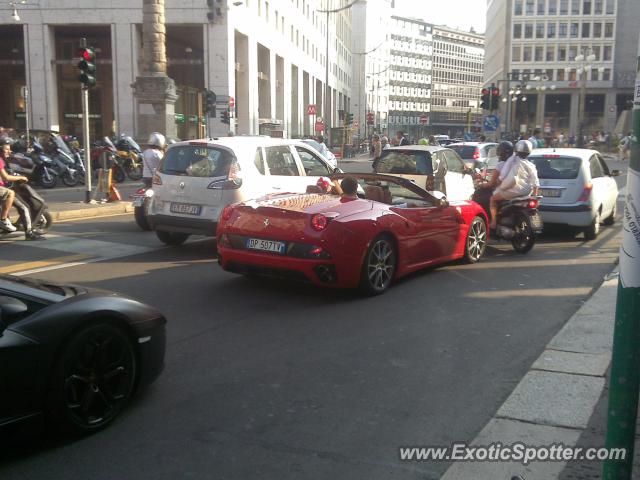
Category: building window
[515,53]
[560,74]
[539,30]
[528,30]
[606,76]
[564,7]
[607,53]
[517,30]
[597,30]
[540,7]
[538,54]
[526,54]
[529,7]
[562,54]
[597,7]
[596,52]
[586,7]
[575,7]
[562,30]
[610,7]
[573,53]
[551,30]
[553,7]
[586,30]
[551,52]
[574,30]
[594,74]
[608,30]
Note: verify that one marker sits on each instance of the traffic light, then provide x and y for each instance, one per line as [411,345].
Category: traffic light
[224,117]
[370,118]
[485,99]
[87,67]
[495,98]
[210,103]
[348,119]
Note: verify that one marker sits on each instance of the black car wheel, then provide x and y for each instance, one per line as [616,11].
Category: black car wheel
[93,379]
[379,266]
[592,231]
[140,215]
[476,240]
[610,220]
[172,238]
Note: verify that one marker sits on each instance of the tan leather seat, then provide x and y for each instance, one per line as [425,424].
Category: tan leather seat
[373,192]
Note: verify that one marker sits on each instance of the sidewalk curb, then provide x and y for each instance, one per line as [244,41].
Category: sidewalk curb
[555,399]
[89,211]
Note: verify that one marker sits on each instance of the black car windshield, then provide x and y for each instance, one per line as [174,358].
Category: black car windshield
[465,151]
[407,162]
[557,166]
[196,161]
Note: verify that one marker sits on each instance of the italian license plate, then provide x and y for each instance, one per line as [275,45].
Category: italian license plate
[185,208]
[137,201]
[550,192]
[265,245]
[536,221]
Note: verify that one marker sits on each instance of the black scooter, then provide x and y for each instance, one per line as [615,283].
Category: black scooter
[35,205]
[518,219]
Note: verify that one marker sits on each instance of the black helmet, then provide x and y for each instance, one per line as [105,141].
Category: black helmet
[506,146]
[4,140]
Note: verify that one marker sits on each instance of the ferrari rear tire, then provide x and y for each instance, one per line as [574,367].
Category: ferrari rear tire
[93,379]
[379,267]
[476,240]
[172,238]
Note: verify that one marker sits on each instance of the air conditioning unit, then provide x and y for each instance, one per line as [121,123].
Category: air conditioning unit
[239,67]
[263,76]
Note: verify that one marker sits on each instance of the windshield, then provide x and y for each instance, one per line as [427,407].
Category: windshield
[195,161]
[557,166]
[107,141]
[61,144]
[132,143]
[466,152]
[405,162]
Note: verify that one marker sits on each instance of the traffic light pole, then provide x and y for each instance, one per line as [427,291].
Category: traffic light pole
[625,376]
[87,143]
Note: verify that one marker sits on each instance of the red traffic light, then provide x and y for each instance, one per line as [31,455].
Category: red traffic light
[496,92]
[485,91]
[87,54]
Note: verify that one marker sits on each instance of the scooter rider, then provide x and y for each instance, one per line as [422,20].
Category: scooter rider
[7,196]
[519,177]
[151,157]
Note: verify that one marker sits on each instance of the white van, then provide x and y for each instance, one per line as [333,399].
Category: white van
[198,178]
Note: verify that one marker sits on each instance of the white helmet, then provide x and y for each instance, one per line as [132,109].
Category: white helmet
[524,146]
[156,139]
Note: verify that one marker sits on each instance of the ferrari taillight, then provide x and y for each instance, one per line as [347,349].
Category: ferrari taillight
[227,212]
[586,192]
[319,222]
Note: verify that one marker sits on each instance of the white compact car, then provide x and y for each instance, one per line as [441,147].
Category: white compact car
[198,178]
[577,188]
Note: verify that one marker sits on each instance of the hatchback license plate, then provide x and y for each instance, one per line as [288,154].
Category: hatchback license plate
[265,245]
[550,192]
[137,201]
[185,208]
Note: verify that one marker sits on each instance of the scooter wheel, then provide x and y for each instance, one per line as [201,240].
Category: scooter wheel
[51,182]
[118,175]
[44,222]
[524,239]
[69,180]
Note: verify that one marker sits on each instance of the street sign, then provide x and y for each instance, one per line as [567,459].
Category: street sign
[232,102]
[311,109]
[491,123]
[319,127]
[424,119]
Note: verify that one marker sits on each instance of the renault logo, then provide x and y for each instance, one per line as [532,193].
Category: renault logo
[266,222]
[181,185]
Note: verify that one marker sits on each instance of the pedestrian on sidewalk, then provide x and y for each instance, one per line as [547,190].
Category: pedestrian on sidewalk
[151,157]
[376,145]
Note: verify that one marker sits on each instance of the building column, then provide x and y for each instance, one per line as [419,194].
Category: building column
[219,72]
[273,79]
[125,48]
[41,76]
[288,98]
[573,116]
[540,103]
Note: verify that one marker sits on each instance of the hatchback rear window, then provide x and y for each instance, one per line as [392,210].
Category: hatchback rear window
[465,151]
[405,162]
[196,161]
[559,167]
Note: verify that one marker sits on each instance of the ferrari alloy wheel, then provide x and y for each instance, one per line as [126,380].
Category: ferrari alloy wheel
[476,240]
[379,266]
[93,380]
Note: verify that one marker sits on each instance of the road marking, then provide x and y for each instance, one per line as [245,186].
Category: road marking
[527,291]
[44,264]
[621,193]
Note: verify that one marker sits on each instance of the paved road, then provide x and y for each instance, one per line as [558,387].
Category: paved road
[272,380]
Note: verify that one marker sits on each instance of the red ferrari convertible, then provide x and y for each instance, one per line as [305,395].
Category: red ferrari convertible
[336,241]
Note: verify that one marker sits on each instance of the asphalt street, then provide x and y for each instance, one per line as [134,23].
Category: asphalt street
[267,379]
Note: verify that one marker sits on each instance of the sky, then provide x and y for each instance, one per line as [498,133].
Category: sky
[462,14]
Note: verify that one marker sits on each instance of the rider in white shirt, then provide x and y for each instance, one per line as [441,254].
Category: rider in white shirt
[151,157]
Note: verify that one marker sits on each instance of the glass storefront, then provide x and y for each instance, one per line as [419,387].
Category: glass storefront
[13,78]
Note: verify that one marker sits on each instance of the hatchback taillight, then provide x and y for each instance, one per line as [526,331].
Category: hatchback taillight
[476,154]
[234,179]
[586,192]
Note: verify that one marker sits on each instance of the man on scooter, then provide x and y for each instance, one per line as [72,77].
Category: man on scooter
[7,196]
[151,157]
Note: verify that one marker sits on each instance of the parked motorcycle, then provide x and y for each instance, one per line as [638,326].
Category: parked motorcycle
[104,155]
[78,156]
[35,165]
[140,201]
[130,155]
[66,163]
[518,219]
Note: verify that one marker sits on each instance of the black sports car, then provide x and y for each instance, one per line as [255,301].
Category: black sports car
[73,354]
